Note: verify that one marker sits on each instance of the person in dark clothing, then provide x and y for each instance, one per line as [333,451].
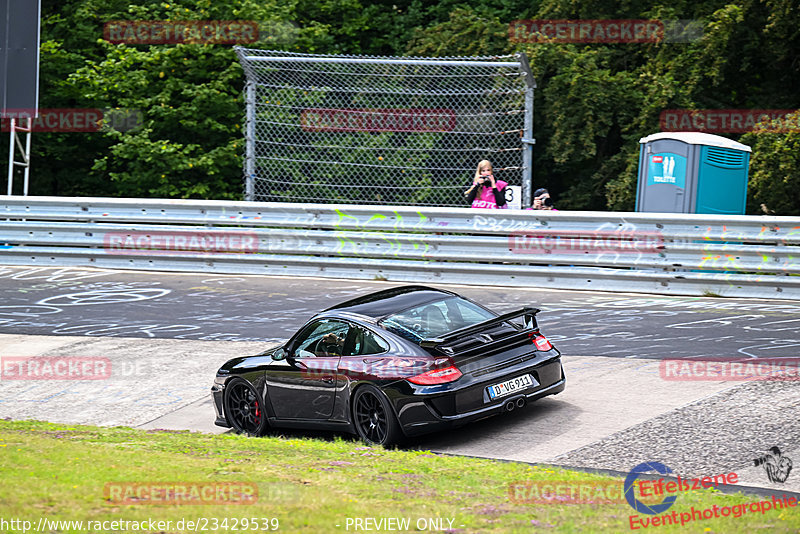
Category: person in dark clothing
[542,200]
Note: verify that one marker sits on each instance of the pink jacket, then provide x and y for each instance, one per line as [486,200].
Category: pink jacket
[486,197]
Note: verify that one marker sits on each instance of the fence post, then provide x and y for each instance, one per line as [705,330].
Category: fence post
[250,142]
[527,137]
[11,157]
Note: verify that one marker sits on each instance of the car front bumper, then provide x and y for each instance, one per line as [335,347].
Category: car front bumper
[217,390]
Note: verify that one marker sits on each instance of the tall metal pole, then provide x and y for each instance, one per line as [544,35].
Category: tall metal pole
[27,157]
[250,143]
[527,138]
[11,147]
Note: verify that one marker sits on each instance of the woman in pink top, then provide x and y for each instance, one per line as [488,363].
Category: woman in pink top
[486,192]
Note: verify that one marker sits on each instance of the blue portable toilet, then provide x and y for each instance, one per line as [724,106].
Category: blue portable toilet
[692,172]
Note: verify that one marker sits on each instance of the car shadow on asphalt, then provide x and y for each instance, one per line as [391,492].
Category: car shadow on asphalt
[536,421]
[504,434]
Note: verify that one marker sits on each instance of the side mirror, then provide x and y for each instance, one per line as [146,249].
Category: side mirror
[280,354]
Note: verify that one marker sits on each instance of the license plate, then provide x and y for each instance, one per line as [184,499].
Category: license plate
[510,386]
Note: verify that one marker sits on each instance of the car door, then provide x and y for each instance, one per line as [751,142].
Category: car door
[303,384]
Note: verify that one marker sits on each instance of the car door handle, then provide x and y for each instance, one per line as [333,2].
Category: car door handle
[327,379]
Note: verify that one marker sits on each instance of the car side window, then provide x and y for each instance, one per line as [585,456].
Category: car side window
[365,342]
[321,339]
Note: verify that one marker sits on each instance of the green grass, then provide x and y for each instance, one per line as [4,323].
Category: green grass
[309,485]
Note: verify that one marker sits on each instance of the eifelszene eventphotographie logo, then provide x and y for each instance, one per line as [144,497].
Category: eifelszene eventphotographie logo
[656,515]
[630,496]
[775,464]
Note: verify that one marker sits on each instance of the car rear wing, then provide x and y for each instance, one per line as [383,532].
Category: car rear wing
[530,325]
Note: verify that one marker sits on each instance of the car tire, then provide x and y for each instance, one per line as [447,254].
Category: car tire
[244,408]
[374,419]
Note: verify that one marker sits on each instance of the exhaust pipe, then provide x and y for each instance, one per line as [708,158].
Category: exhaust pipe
[520,402]
[509,407]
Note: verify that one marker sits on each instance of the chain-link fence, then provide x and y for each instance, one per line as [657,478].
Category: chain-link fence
[378,130]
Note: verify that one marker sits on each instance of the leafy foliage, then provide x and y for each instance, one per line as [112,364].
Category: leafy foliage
[775,171]
[593,103]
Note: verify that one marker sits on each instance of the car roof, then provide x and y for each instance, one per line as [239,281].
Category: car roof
[382,303]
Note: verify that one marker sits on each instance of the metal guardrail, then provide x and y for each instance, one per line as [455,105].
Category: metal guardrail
[746,256]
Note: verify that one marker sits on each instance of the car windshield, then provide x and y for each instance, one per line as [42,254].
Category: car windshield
[437,318]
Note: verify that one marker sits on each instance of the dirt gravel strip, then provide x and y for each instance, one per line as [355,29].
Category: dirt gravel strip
[722,433]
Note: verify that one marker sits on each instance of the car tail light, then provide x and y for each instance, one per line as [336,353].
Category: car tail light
[437,376]
[541,342]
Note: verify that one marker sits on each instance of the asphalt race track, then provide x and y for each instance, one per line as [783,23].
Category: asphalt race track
[81,302]
[165,334]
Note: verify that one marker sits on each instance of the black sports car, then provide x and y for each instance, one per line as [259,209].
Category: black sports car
[396,363]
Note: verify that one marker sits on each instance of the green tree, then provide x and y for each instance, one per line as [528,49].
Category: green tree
[594,101]
[774,186]
[190,141]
